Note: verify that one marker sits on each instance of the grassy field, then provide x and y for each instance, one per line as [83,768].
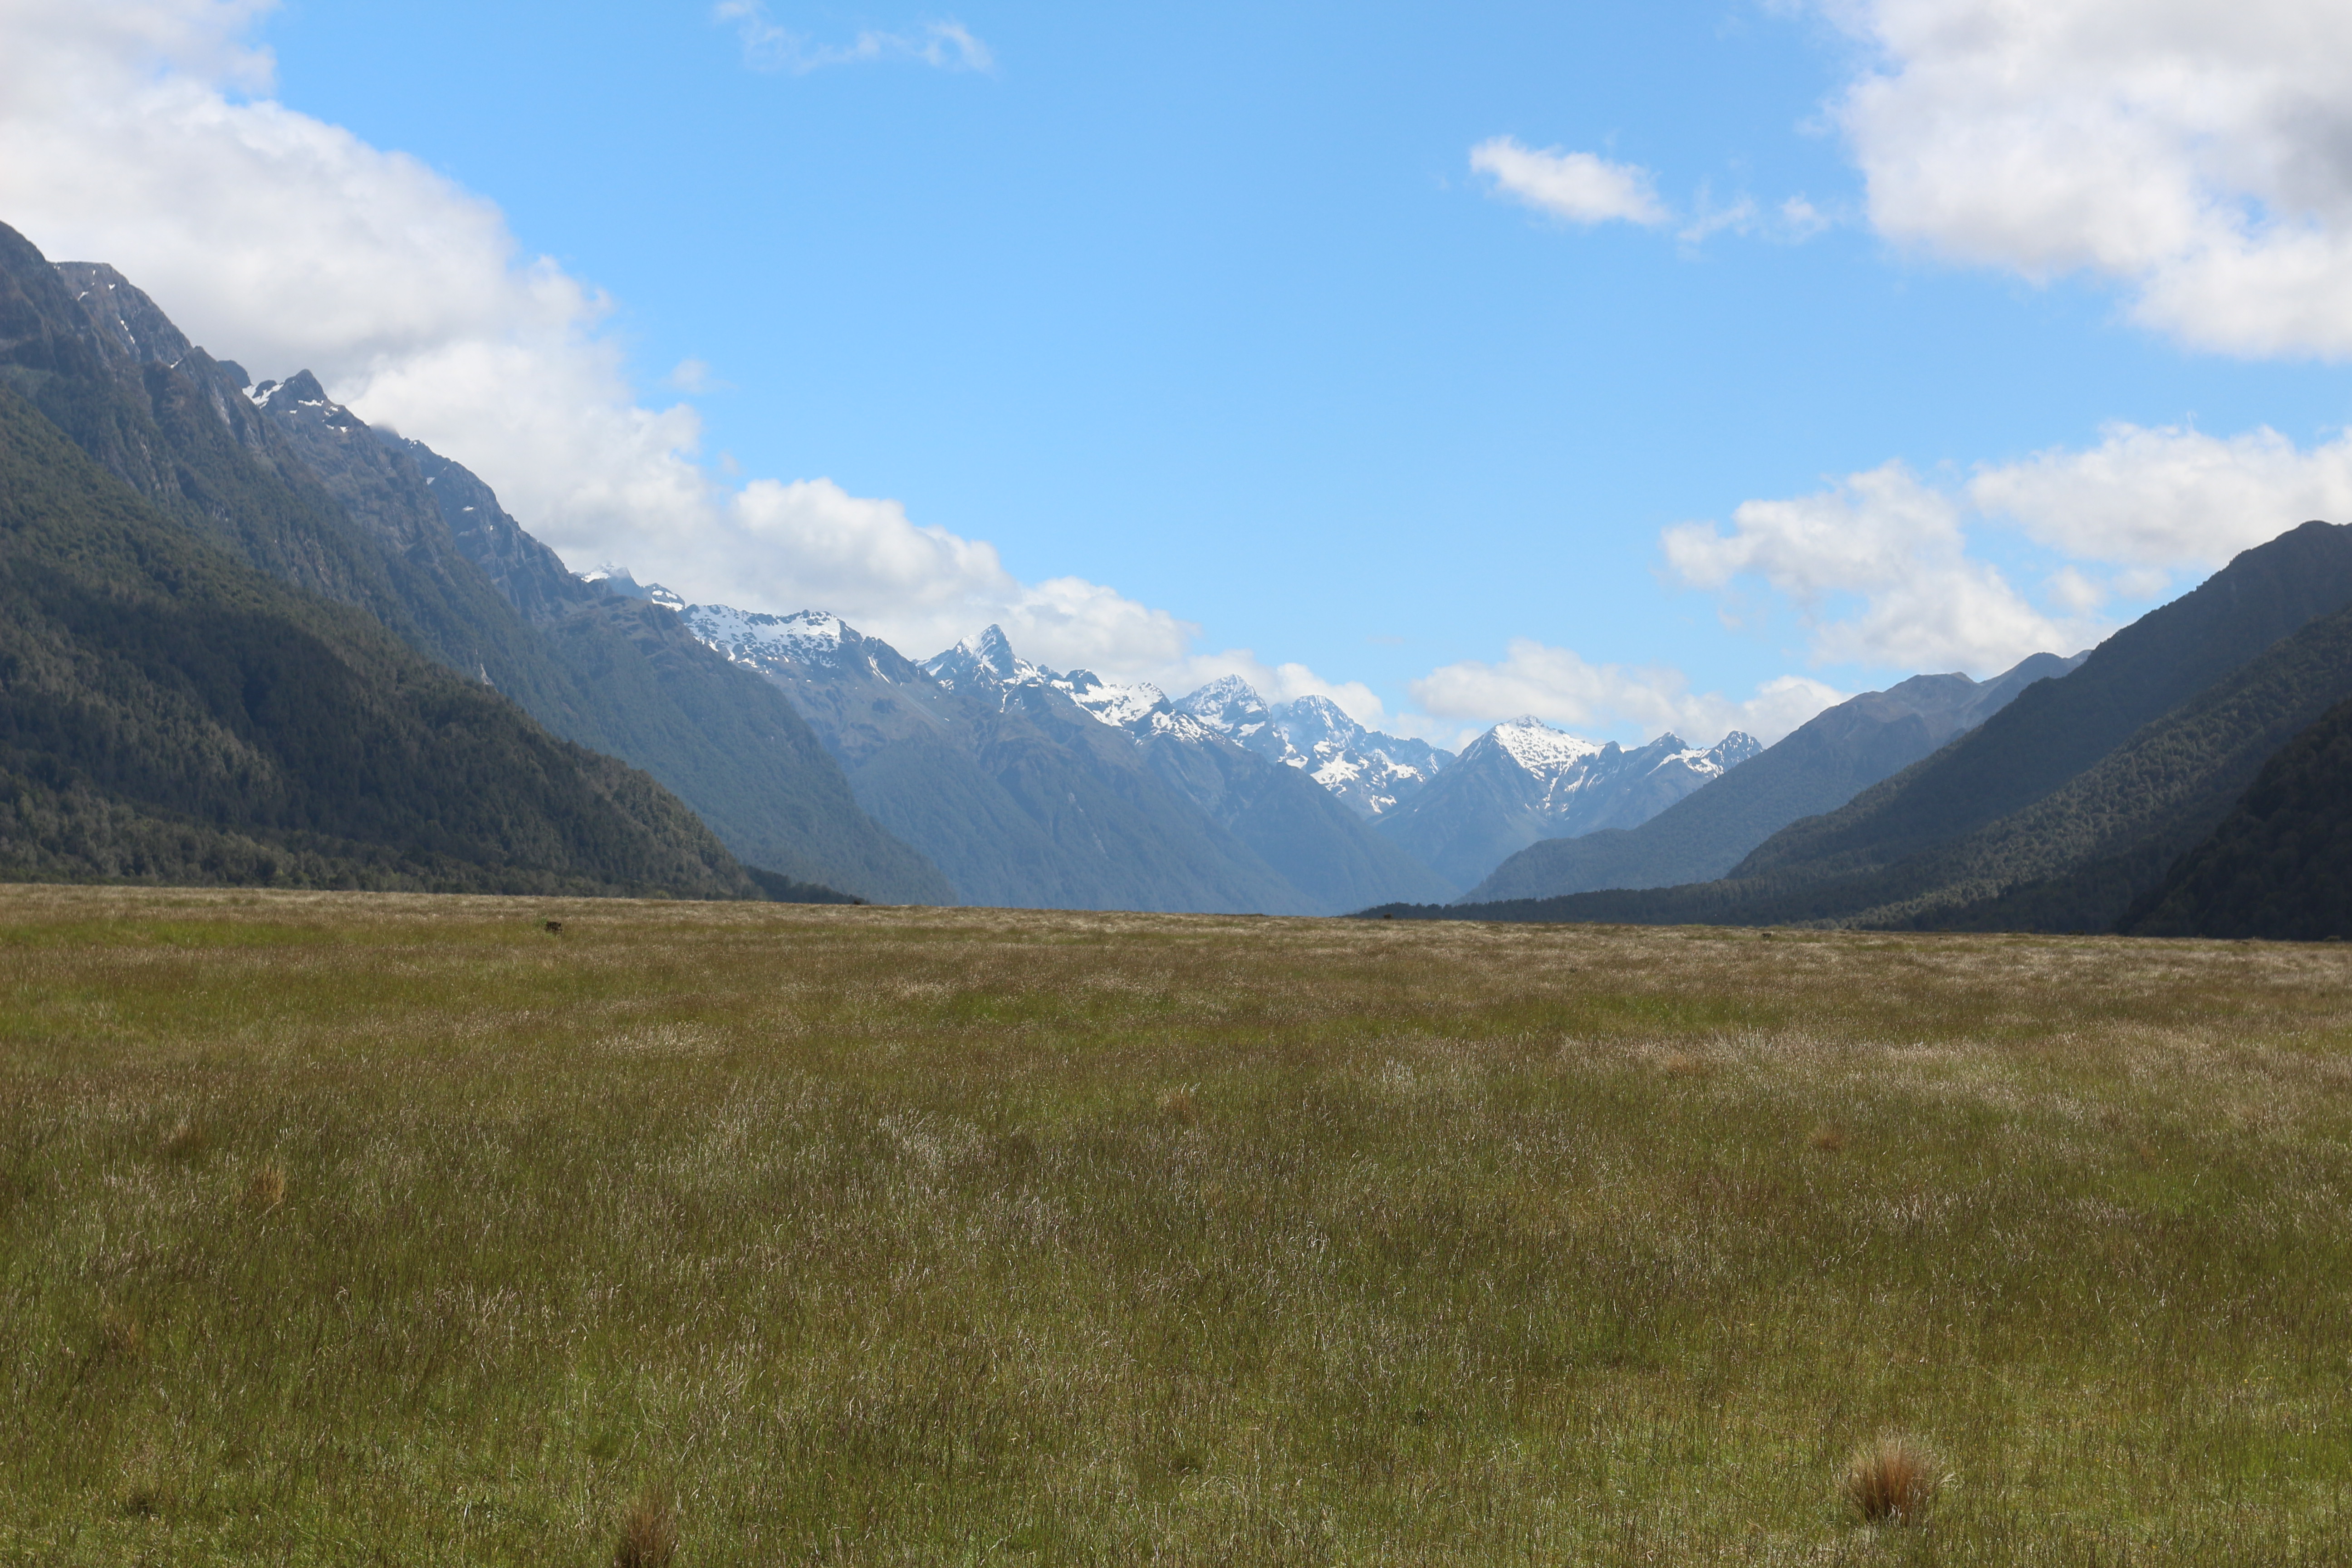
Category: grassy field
[345,1228]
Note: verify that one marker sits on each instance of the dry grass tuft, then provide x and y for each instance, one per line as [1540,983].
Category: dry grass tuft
[1178,1105]
[185,1141]
[145,1493]
[1828,1139]
[649,1533]
[267,1190]
[119,1334]
[1891,1481]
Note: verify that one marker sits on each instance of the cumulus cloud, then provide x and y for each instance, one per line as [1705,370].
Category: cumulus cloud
[2169,497]
[947,46]
[1877,565]
[1560,685]
[1577,186]
[140,132]
[2199,151]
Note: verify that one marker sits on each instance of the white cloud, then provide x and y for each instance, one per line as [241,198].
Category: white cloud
[1878,566]
[1561,685]
[947,46]
[1577,186]
[2171,497]
[285,242]
[2199,151]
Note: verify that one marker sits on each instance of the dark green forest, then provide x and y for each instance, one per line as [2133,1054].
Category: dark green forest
[2280,864]
[171,714]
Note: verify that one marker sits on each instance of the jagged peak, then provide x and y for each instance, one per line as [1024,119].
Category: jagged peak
[986,657]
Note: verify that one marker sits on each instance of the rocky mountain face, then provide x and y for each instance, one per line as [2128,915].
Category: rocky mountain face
[304,491]
[1371,773]
[1816,768]
[1525,780]
[1037,788]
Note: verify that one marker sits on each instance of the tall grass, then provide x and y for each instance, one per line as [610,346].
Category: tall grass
[351,1230]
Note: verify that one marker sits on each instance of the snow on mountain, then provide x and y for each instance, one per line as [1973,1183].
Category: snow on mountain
[1139,707]
[1232,707]
[1121,707]
[1547,754]
[1524,780]
[618,580]
[1370,772]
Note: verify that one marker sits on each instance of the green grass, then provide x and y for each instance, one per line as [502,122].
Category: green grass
[351,1228]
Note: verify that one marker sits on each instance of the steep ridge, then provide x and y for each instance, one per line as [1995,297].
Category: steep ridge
[2056,730]
[303,490]
[1525,780]
[1817,767]
[169,713]
[2280,864]
[2238,664]
[730,744]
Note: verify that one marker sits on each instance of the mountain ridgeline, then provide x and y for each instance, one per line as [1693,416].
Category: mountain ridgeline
[1817,768]
[1034,789]
[302,490]
[245,638]
[171,714]
[2073,803]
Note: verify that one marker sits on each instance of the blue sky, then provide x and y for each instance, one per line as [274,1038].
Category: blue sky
[1209,308]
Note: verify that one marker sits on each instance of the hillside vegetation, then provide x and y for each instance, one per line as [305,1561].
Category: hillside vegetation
[1816,768]
[170,714]
[2065,806]
[2280,864]
[397,1229]
[304,493]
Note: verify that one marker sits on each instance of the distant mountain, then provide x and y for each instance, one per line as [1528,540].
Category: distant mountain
[2066,805]
[1818,767]
[1298,823]
[1373,773]
[1037,789]
[1525,780]
[173,714]
[302,490]
[2280,864]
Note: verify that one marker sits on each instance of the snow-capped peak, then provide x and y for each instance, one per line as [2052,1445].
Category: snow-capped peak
[987,659]
[619,581]
[750,637]
[1118,706]
[1232,707]
[1540,749]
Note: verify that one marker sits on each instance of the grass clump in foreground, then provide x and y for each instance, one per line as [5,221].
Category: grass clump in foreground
[378,1228]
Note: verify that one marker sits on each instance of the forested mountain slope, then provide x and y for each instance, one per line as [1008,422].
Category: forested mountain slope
[2280,864]
[302,490]
[2239,665]
[1817,767]
[2055,730]
[169,713]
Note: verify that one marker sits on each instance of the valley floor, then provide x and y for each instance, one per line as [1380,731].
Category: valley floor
[340,1228]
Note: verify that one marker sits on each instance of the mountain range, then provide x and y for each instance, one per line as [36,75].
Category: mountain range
[1035,788]
[243,637]
[2073,803]
[1818,767]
